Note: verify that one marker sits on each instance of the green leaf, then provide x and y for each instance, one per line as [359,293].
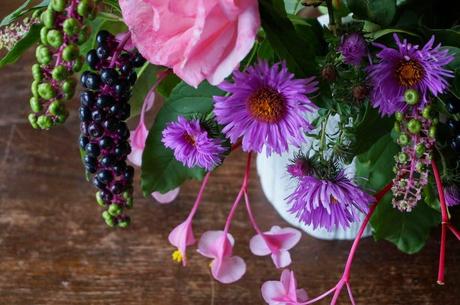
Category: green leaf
[146,78]
[447,37]
[372,128]
[409,231]
[168,84]
[380,33]
[160,170]
[381,12]
[21,11]
[285,40]
[21,46]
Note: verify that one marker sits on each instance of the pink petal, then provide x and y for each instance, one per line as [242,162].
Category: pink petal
[129,45]
[302,295]
[181,237]
[284,238]
[272,290]
[229,269]
[281,259]
[166,197]
[137,140]
[209,243]
[258,246]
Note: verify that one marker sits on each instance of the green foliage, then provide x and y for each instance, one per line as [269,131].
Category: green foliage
[286,42]
[21,46]
[160,170]
[408,231]
[147,76]
[381,12]
[21,11]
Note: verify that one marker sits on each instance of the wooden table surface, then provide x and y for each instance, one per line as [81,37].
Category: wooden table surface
[54,248]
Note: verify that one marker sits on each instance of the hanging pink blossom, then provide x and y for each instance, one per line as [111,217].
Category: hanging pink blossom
[277,242]
[198,39]
[181,237]
[284,291]
[219,246]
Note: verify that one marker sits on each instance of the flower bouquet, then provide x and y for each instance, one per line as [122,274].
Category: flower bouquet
[263,77]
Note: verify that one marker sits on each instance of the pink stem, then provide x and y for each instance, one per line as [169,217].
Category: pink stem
[198,197]
[454,231]
[319,297]
[120,47]
[338,289]
[350,294]
[251,216]
[444,222]
[240,194]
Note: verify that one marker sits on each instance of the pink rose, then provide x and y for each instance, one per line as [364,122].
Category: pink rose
[198,39]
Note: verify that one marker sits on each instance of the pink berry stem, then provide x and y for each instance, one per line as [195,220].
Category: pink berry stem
[344,280]
[120,48]
[198,197]
[243,189]
[445,224]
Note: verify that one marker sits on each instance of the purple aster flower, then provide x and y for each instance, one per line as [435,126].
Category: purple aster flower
[452,195]
[408,67]
[353,48]
[328,203]
[266,107]
[192,145]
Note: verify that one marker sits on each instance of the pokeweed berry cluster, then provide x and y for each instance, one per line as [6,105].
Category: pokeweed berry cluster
[58,57]
[104,134]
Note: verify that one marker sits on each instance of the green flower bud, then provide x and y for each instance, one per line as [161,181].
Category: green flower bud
[432,132]
[54,38]
[84,34]
[46,91]
[84,8]
[402,157]
[397,127]
[414,126]
[426,112]
[33,120]
[48,18]
[411,97]
[419,150]
[395,169]
[69,86]
[44,122]
[43,33]
[35,104]
[403,139]
[124,223]
[99,199]
[37,72]
[106,215]
[70,52]
[114,209]
[58,5]
[78,64]
[399,116]
[59,73]
[71,26]
[55,108]
[34,88]
[43,55]
[109,220]
[402,183]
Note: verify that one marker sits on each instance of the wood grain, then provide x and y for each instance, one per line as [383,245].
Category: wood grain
[55,249]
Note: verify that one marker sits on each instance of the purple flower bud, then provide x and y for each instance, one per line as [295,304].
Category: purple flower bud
[452,195]
[353,48]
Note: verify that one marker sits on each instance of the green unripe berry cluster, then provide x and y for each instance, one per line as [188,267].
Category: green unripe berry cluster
[58,58]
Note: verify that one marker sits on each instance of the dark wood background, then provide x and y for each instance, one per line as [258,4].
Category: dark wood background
[54,248]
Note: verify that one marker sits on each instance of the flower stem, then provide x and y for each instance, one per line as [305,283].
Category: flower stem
[120,47]
[330,12]
[243,189]
[198,197]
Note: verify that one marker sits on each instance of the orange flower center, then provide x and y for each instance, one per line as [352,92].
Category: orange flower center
[267,105]
[409,73]
[189,139]
[334,200]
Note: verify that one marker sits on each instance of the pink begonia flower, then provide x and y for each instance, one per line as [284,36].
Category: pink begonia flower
[139,135]
[224,267]
[181,237]
[277,242]
[283,292]
[198,39]
[165,198]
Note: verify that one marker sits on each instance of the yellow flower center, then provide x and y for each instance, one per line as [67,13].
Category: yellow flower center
[267,105]
[409,73]
[177,256]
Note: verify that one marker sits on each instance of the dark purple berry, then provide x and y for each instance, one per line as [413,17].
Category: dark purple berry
[119,168]
[129,173]
[106,196]
[92,59]
[97,116]
[111,125]
[455,144]
[92,81]
[90,161]
[122,150]
[453,106]
[106,143]
[109,76]
[87,99]
[93,150]
[95,130]
[104,101]
[105,176]
[83,78]
[138,60]
[117,187]
[108,161]
[122,89]
[122,131]
[103,52]
[85,114]
[453,126]
[98,183]
[104,37]
[126,69]
[132,77]
[83,142]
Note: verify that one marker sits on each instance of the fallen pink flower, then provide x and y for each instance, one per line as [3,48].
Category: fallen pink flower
[219,246]
[277,242]
[165,198]
[284,291]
